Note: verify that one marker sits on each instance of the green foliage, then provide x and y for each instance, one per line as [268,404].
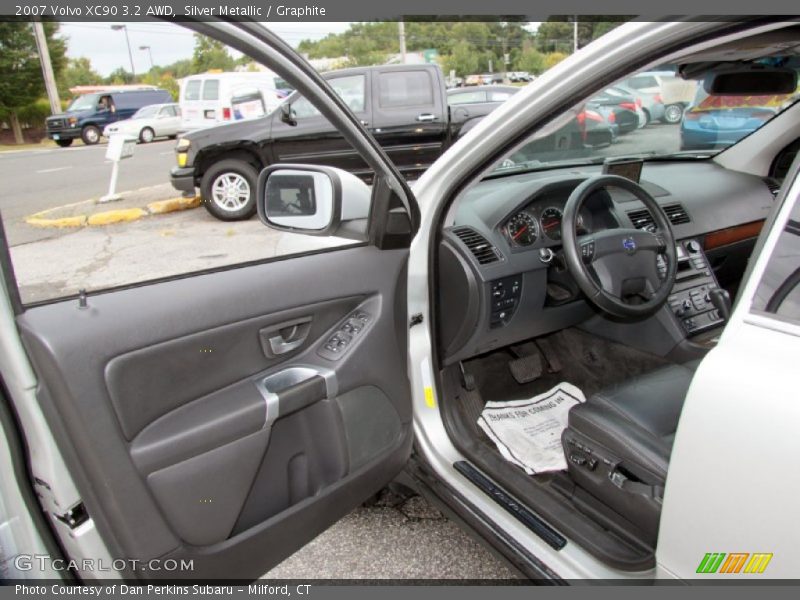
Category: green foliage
[373,43]
[78,71]
[530,60]
[163,80]
[462,60]
[119,76]
[556,34]
[35,113]
[21,81]
[553,58]
[210,54]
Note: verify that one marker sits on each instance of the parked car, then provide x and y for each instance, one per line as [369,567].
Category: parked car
[404,106]
[619,108]
[481,94]
[520,76]
[651,105]
[88,115]
[207,99]
[665,87]
[718,121]
[474,80]
[226,417]
[149,122]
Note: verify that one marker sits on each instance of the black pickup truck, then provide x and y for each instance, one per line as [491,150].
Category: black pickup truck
[404,107]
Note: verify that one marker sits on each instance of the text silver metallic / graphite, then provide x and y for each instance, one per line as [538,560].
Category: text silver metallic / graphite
[264,11]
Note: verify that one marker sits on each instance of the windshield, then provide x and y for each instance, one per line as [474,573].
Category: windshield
[648,115]
[147,111]
[84,102]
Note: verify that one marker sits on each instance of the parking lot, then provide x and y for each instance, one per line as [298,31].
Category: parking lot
[387,540]
[52,262]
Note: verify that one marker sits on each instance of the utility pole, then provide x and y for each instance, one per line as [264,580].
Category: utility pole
[47,67]
[575,34]
[401,27]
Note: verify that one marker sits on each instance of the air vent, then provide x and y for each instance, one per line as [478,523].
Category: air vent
[677,214]
[642,219]
[478,245]
[774,185]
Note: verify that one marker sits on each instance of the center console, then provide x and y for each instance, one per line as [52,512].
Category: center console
[690,299]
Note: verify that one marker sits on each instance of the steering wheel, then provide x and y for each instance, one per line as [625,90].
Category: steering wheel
[614,265]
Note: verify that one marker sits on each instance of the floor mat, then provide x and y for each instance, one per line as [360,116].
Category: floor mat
[588,362]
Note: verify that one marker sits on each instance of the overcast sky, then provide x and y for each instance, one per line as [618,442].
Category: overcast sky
[107,49]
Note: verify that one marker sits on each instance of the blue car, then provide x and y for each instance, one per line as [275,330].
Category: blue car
[716,122]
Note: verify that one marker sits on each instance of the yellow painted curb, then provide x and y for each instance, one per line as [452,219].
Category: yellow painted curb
[109,217]
[78,221]
[116,216]
[173,204]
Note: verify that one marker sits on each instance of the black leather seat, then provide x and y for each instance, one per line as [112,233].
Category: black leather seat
[619,441]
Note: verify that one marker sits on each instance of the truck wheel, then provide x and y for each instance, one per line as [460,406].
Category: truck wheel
[146,135]
[673,113]
[228,190]
[64,143]
[90,135]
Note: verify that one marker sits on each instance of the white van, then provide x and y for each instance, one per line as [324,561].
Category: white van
[207,99]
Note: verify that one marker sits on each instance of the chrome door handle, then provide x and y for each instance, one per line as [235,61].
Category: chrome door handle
[282,338]
[426,118]
[364,123]
[279,345]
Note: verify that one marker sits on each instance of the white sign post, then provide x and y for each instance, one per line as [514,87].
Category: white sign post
[120,146]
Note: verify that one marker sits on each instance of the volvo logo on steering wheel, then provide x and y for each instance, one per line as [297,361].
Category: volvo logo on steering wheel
[629,244]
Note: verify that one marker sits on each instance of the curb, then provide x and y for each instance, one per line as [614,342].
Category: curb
[109,217]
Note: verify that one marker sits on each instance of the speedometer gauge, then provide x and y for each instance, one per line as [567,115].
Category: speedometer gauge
[551,222]
[522,229]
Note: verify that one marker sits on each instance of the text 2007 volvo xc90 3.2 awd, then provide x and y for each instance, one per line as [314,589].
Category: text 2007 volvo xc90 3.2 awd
[653,292]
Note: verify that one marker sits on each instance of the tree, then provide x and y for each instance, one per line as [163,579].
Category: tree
[21,83]
[119,76]
[78,71]
[557,33]
[530,60]
[462,60]
[551,59]
[210,54]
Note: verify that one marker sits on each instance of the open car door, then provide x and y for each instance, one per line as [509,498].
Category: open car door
[201,417]
[729,502]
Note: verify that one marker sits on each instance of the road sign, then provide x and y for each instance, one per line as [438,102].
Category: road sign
[120,146]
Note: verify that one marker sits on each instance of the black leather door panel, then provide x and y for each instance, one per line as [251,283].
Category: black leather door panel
[150,393]
[183,369]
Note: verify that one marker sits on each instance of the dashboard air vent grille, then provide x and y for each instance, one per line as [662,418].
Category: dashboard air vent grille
[642,219]
[773,184]
[677,214]
[478,245]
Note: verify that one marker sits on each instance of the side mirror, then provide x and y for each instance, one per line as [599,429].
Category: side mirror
[313,200]
[287,114]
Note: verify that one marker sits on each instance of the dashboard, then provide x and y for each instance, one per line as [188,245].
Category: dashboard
[501,279]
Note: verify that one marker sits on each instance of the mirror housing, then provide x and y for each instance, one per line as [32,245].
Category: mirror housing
[751,80]
[287,115]
[313,200]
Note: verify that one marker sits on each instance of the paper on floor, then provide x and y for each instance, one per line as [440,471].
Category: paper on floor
[528,432]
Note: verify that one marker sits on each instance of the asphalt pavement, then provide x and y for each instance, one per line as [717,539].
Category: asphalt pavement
[34,180]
